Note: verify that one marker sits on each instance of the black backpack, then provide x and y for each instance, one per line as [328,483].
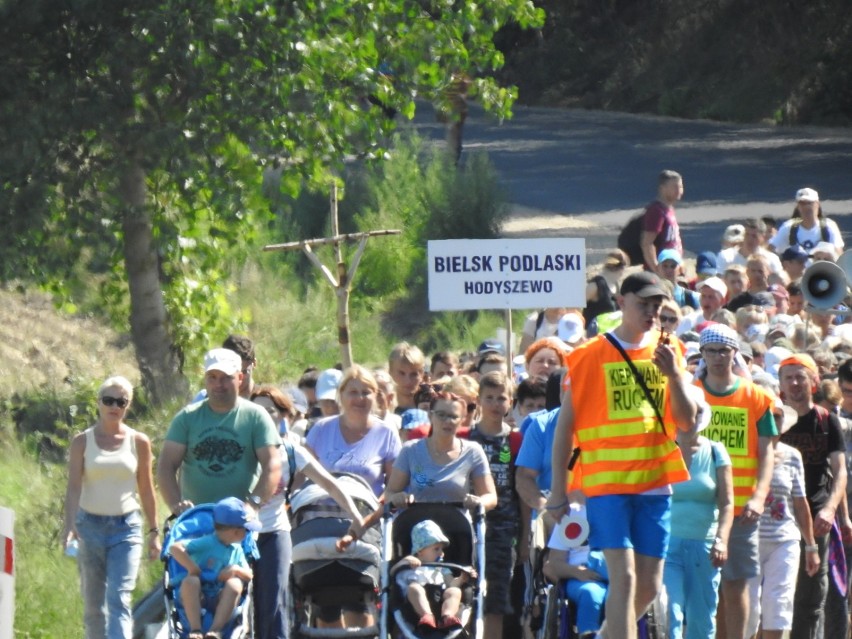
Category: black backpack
[794,232]
[629,239]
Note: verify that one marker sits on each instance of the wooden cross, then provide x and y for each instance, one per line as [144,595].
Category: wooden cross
[342,283]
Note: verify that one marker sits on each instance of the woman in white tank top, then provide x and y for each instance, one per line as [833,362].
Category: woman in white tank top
[109,482]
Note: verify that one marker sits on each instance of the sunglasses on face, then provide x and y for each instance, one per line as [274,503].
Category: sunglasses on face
[121,402]
[669,319]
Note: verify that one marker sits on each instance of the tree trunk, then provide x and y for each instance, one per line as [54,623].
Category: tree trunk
[156,355]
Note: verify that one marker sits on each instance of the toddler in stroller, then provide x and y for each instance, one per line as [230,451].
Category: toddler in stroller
[457,575]
[425,583]
[210,570]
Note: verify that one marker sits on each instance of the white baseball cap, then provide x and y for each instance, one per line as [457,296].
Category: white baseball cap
[807,195]
[224,360]
[327,384]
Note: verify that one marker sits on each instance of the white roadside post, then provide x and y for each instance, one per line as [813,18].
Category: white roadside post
[7,572]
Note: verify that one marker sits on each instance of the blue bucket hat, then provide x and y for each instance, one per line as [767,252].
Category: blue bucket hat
[426,533]
[233,512]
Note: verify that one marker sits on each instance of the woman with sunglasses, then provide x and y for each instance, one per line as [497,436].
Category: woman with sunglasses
[670,316]
[109,482]
[442,467]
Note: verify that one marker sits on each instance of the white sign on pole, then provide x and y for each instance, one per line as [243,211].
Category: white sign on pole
[7,572]
[501,274]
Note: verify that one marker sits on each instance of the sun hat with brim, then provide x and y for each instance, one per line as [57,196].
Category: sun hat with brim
[426,533]
[233,512]
[644,284]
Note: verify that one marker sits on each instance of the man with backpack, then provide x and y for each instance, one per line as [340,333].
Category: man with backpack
[817,435]
[656,228]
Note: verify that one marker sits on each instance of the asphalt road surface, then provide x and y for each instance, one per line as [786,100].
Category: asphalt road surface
[574,173]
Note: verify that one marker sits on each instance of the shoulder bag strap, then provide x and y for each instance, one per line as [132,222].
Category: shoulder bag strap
[638,377]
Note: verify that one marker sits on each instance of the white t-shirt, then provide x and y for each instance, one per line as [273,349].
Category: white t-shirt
[545,330]
[273,514]
[732,255]
[807,238]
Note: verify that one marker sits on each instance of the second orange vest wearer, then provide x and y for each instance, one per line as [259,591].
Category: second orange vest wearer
[624,448]
[733,423]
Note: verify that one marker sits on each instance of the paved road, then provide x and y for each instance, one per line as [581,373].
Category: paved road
[585,173]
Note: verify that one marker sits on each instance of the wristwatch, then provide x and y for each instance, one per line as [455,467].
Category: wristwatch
[254,500]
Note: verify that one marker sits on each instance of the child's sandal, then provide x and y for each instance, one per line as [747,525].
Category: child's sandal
[195,634]
[450,622]
[427,621]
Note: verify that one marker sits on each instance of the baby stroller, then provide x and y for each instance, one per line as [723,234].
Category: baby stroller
[191,524]
[466,548]
[321,575]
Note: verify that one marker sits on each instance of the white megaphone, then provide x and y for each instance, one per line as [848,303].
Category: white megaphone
[845,262]
[823,285]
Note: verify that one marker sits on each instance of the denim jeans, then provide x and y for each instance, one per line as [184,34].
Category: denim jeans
[272,585]
[108,559]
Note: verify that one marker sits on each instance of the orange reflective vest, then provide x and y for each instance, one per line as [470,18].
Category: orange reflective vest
[733,422]
[624,449]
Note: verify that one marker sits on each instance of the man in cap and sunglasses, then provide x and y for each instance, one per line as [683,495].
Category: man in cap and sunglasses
[818,436]
[742,420]
[606,408]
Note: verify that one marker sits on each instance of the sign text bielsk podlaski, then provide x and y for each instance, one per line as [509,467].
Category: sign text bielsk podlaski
[500,274]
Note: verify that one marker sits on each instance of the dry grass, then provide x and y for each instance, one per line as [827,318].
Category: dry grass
[41,349]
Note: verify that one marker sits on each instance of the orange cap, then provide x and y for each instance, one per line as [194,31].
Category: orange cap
[801,359]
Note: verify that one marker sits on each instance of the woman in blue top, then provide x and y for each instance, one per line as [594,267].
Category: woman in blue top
[701,518]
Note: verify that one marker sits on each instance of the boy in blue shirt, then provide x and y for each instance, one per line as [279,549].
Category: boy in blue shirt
[217,569]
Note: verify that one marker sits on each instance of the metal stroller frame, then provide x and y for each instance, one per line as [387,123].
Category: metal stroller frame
[191,524]
[467,545]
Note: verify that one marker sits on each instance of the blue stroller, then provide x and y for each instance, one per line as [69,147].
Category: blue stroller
[197,522]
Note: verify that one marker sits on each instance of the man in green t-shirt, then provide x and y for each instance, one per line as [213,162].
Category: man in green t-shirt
[223,446]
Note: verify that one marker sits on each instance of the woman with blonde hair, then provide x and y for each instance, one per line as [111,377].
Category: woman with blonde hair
[110,484]
[356,441]
[467,388]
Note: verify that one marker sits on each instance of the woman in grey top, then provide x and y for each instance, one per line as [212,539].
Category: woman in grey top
[442,467]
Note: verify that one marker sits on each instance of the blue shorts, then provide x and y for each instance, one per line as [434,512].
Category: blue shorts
[640,522]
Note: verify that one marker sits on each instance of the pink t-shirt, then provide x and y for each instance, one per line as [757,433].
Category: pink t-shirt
[660,220]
